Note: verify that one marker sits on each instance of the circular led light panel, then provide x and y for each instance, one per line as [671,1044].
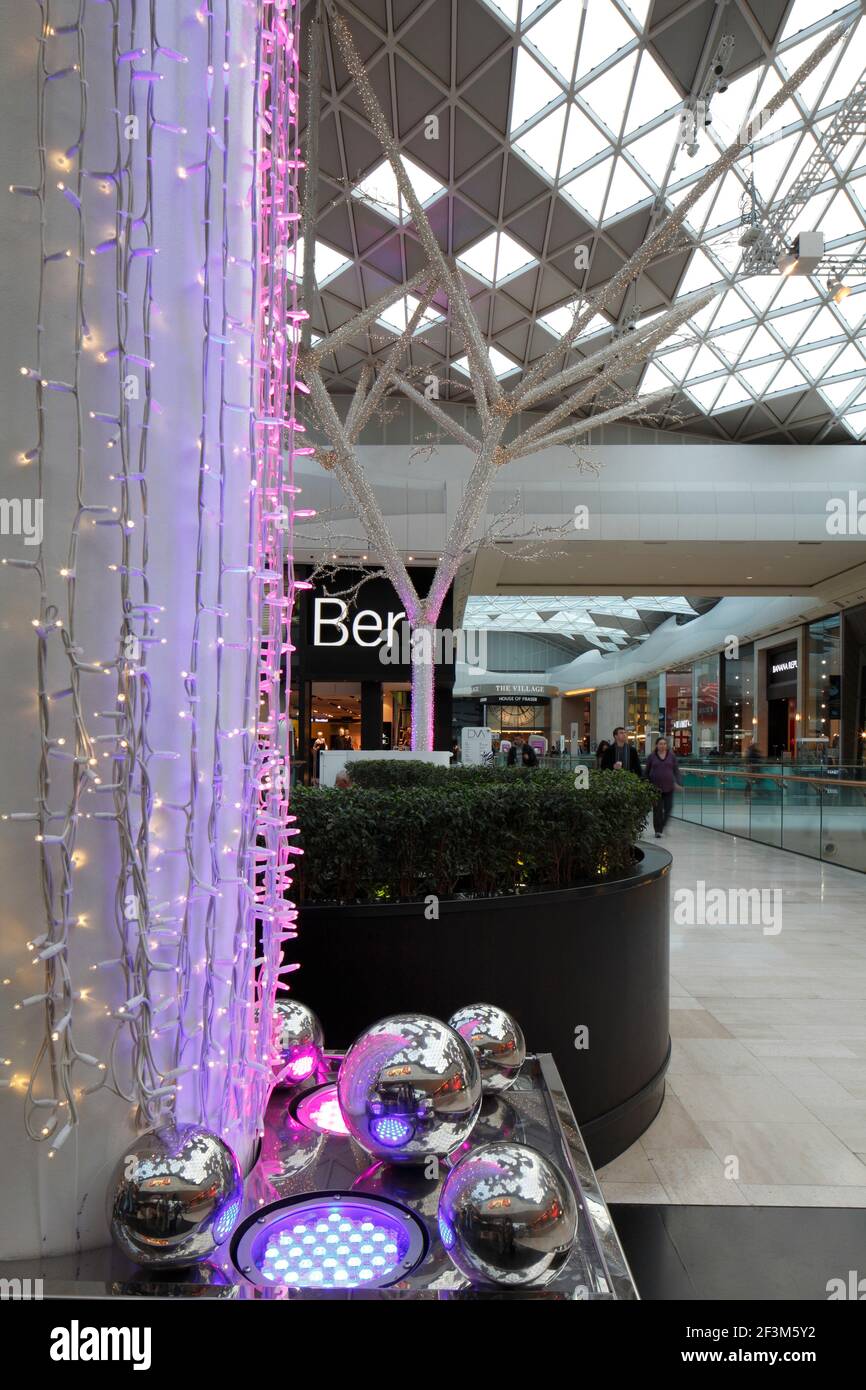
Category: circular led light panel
[329,1241]
[320,1110]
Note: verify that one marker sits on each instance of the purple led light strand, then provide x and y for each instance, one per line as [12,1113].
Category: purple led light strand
[278,338]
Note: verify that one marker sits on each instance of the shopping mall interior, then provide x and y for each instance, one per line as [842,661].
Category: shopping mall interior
[441,424]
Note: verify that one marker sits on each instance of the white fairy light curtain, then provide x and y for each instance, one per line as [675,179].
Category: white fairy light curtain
[153,416]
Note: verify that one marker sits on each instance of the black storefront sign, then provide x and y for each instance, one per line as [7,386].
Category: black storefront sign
[340,639]
[782,672]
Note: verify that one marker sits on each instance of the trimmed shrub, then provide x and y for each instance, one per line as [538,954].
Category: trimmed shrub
[467,831]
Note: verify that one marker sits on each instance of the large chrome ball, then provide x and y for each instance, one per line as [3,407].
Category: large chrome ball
[297,1042]
[409,1089]
[175,1196]
[497,1041]
[507,1216]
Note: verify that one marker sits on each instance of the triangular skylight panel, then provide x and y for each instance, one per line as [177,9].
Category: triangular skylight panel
[815,362]
[654,151]
[789,378]
[824,325]
[839,392]
[852,65]
[759,377]
[496,257]
[704,364]
[733,393]
[608,94]
[604,32]
[790,326]
[705,394]
[589,188]
[543,142]
[761,289]
[555,35]
[855,423]
[558,321]
[850,359]
[841,220]
[380,189]
[678,363]
[502,365]
[533,89]
[654,380]
[732,344]
[795,291]
[701,273]
[730,309]
[582,140]
[398,315]
[771,163]
[653,93]
[728,205]
[762,345]
[626,190]
[326,261]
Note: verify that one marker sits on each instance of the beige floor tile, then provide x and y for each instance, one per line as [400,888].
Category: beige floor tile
[696,1177]
[737,1097]
[672,1128]
[645,1193]
[720,1056]
[777,1154]
[696,1023]
[631,1166]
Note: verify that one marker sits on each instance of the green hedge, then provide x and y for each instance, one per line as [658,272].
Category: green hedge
[473,831]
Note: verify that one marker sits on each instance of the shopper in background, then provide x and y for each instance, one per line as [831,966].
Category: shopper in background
[522,753]
[600,752]
[456,755]
[621,756]
[663,771]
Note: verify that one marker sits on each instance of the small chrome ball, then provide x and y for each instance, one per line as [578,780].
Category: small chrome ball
[507,1216]
[175,1196]
[409,1089]
[297,1042]
[497,1041]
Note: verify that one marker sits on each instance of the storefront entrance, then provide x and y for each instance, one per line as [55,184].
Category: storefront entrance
[781,726]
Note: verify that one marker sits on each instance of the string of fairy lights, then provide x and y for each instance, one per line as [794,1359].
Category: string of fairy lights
[202,858]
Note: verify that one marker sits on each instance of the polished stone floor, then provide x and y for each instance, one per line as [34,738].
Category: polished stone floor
[766,1093]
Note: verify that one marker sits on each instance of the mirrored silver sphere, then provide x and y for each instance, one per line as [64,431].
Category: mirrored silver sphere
[175,1196]
[297,1042]
[507,1216]
[497,1041]
[409,1089]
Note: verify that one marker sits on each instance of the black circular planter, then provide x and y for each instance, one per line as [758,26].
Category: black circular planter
[584,971]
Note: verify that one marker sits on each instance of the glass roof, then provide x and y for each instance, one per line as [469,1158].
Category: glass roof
[398,315]
[379,189]
[594,113]
[599,619]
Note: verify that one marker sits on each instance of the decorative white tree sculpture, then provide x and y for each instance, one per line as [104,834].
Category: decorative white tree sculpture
[581,385]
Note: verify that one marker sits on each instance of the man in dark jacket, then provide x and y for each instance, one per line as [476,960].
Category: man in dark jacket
[522,753]
[621,756]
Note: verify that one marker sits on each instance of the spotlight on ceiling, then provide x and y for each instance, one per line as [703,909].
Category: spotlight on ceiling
[806,255]
[837,290]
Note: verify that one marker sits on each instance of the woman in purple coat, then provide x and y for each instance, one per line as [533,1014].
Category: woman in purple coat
[663,771]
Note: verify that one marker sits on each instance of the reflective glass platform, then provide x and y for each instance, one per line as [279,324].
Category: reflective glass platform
[317,1210]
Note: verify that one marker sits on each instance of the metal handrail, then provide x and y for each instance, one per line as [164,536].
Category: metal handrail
[833,782]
